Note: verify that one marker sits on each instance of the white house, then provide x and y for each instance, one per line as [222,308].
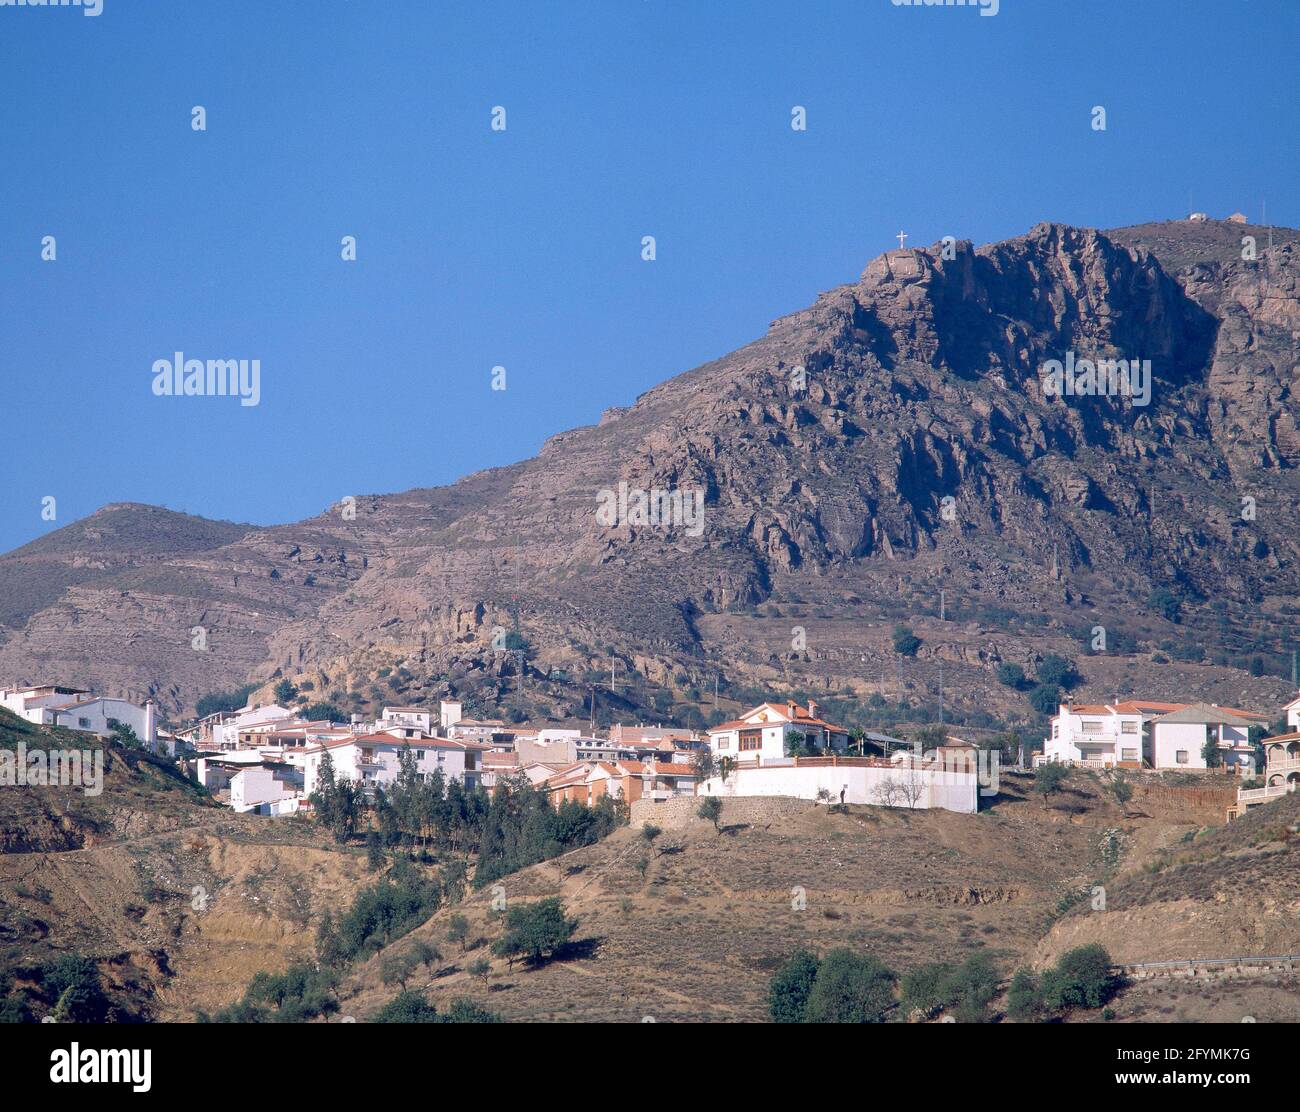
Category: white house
[1293,714]
[1107,735]
[449,711]
[225,731]
[372,759]
[411,721]
[761,734]
[1178,739]
[1122,734]
[75,709]
[257,785]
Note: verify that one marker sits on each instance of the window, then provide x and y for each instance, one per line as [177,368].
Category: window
[750,740]
[1128,727]
[1090,727]
[419,754]
[84,723]
[1130,755]
[724,743]
[1181,756]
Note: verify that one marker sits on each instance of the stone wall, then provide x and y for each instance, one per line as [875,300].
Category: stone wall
[675,814]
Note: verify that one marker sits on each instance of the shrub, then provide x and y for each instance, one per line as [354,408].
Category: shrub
[905,641]
[850,988]
[1023,997]
[787,995]
[1057,671]
[966,990]
[77,990]
[1011,675]
[1165,603]
[412,1007]
[316,712]
[1045,698]
[1081,979]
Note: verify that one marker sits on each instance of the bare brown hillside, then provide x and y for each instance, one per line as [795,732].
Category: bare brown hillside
[1219,893]
[697,937]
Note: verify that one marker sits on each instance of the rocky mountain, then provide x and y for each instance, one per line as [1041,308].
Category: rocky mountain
[886,455]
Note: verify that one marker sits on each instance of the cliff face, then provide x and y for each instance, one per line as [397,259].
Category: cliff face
[914,452]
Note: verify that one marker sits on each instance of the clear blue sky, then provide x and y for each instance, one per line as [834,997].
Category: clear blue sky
[625,118]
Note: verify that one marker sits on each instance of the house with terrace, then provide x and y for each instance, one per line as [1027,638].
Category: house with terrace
[765,733]
[1142,733]
[1281,774]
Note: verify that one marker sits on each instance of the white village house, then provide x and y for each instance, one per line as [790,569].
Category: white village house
[76,709]
[373,759]
[1139,733]
[761,734]
[1281,773]
[1293,714]
[1178,739]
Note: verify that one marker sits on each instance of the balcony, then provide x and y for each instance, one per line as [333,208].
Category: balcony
[1291,764]
[1260,795]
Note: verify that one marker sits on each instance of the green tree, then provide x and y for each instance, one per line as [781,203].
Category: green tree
[77,989]
[407,1007]
[1081,979]
[458,930]
[397,968]
[124,735]
[535,931]
[1011,675]
[337,802]
[704,764]
[710,810]
[787,994]
[1057,671]
[965,990]
[1050,778]
[1210,753]
[285,692]
[1046,699]
[1165,603]
[1023,998]
[850,988]
[324,712]
[905,641]
[970,989]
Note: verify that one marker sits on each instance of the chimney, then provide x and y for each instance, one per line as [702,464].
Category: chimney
[812,709]
[789,709]
[150,724]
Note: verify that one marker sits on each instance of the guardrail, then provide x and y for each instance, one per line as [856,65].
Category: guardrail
[1201,963]
[1249,795]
